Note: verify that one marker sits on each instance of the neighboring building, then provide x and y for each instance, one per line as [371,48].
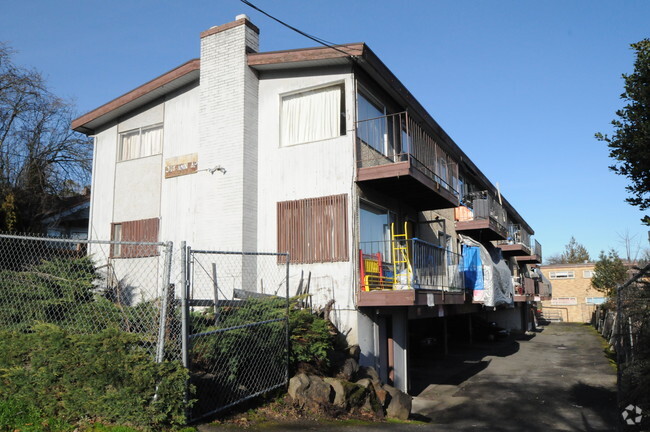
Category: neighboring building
[70,218]
[574,299]
[323,153]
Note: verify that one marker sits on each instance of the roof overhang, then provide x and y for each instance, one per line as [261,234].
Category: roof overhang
[140,96]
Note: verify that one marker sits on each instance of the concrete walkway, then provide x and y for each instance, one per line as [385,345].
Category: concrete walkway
[559,380]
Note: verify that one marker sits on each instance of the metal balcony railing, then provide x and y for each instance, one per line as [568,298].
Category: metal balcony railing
[428,267]
[529,286]
[484,206]
[397,138]
[536,248]
[517,235]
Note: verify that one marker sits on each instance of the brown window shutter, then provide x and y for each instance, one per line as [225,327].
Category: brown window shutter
[313,230]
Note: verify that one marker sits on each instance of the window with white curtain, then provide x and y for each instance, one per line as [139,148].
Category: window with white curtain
[140,143]
[312,115]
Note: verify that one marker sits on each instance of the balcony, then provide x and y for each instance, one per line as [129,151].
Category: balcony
[397,157]
[544,290]
[526,290]
[409,273]
[535,255]
[517,243]
[482,217]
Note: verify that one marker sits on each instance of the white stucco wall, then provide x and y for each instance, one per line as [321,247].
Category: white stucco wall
[101,202]
[308,170]
[179,194]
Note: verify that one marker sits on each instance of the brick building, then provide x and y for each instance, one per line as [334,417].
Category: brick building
[574,299]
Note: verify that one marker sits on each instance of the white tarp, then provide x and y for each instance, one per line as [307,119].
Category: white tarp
[497,279]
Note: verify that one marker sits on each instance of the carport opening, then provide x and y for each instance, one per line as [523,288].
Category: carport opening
[450,350]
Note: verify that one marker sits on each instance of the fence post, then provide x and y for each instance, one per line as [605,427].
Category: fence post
[160,348]
[185,327]
[286,283]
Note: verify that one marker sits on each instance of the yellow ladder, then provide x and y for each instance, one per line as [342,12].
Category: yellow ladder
[400,246]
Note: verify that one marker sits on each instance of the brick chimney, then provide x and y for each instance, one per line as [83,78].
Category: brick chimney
[228,107]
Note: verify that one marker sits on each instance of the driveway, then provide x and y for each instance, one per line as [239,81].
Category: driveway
[558,380]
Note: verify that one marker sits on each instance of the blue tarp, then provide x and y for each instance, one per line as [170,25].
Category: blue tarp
[472,268]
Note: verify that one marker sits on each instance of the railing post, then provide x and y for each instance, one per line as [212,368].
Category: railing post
[160,348]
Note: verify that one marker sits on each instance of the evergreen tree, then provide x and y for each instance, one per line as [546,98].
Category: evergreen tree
[630,144]
[574,253]
[609,272]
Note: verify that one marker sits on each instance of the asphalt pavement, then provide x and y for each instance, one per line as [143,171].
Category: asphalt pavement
[558,379]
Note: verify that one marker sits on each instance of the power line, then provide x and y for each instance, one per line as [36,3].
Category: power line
[307,35]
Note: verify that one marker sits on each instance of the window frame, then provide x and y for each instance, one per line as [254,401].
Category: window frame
[570,274]
[140,131]
[342,112]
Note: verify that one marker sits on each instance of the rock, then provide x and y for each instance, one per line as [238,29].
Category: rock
[354,351]
[310,391]
[340,399]
[382,395]
[355,395]
[365,383]
[370,373]
[349,369]
[298,384]
[372,404]
[400,403]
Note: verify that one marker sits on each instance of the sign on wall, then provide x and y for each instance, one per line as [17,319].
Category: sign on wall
[564,301]
[181,165]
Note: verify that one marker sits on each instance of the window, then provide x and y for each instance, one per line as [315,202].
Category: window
[313,115]
[143,230]
[562,274]
[595,300]
[314,230]
[587,274]
[140,143]
[374,226]
[371,124]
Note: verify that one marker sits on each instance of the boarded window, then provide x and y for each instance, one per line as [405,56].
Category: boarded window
[314,230]
[143,230]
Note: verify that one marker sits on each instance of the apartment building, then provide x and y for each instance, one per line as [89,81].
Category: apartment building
[574,299]
[322,153]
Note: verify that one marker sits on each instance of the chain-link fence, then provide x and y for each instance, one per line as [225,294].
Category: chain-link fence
[223,314]
[85,287]
[625,323]
[632,345]
[238,326]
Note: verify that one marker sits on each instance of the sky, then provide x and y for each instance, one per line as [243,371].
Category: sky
[521,86]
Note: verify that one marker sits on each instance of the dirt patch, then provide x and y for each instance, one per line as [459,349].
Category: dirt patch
[281,413]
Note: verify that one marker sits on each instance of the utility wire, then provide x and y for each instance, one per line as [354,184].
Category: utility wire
[307,35]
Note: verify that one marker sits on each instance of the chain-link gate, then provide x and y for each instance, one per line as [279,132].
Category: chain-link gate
[236,335]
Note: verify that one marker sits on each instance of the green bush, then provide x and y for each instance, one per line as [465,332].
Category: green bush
[235,353]
[106,376]
[312,338]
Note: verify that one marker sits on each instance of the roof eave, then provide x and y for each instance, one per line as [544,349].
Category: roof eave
[88,122]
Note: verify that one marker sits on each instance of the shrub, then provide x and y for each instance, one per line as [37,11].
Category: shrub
[106,375]
[312,338]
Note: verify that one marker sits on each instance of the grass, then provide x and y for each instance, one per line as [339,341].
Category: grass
[15,417]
